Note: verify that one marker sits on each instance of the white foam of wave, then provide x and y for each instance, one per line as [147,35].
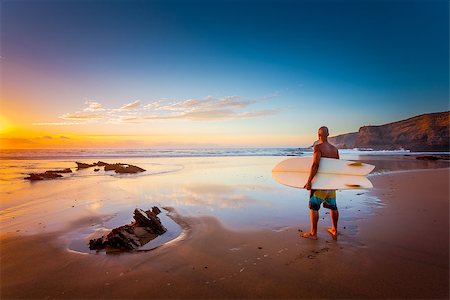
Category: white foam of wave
[204,152]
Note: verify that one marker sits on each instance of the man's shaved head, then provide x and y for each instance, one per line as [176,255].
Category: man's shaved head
[323,131]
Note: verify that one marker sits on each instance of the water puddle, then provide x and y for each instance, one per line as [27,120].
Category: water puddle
[78,240]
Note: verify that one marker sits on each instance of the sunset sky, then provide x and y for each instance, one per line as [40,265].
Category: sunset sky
[215,73]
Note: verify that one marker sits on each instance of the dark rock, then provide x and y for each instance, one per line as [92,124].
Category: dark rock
[84,166]
[121,238]
[123,168]
[66,170]
[96,170]
[42,176]
[149,220]
[155,210]
[50,174]
[34,176]
[130,237]
[117,167]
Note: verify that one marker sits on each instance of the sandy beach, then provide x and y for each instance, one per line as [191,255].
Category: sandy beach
[233,242]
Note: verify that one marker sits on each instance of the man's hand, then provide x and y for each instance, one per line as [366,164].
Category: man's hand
[308,186]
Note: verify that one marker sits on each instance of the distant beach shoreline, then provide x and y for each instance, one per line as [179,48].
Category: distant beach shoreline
[188,152]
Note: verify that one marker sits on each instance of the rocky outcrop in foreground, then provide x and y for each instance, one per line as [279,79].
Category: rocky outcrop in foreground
[427,132]
[146,227]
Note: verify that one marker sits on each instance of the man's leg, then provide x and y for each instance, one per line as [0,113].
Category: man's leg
[314,218]
[334,213]
[314,206]
[330,203]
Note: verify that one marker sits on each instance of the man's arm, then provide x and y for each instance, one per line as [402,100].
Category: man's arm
[314,167]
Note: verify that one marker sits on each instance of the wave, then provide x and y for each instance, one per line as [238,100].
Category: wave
[202,152]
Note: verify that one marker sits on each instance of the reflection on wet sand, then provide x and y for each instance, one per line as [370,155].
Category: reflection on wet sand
[211,196]
[243,227]
[239,191]
[387,163]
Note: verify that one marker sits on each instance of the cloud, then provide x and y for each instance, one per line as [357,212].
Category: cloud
[205,109]
[210,115]
[216,114]
[208,104]
[261,113]
[154,105]
[57,123]
[132,105]
[64,137]
[81,116]
[93,106]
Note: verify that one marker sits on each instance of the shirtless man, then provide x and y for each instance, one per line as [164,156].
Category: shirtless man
[317,197]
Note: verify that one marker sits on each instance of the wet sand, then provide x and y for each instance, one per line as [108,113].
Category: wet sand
[399,251]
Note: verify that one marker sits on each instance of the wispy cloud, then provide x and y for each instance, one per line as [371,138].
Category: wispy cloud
[81,116]
[57,123]
[133,105]
[204,109]
[208,104]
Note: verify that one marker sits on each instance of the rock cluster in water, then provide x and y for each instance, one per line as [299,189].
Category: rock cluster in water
[117,167]
[51,174]
[146,227]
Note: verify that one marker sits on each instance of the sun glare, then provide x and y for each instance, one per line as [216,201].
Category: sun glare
[4,124]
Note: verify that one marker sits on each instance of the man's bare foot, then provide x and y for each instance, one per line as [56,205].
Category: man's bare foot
[333,233]
[309,235]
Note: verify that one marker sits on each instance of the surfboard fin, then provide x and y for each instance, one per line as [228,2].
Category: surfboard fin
[352,185]
[356,164]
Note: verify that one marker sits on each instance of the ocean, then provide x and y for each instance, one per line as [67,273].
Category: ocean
[199,152]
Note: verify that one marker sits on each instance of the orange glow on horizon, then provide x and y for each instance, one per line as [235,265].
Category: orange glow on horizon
[23,139]
[22,134]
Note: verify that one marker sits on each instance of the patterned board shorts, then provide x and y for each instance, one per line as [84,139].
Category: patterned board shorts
[328,197]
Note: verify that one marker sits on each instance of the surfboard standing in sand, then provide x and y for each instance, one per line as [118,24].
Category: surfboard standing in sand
[324,173]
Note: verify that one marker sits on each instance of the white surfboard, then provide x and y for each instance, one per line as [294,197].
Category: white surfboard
[323,181]
[327,165]
[333,174]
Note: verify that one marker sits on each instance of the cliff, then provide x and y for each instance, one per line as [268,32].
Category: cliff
[344,141]
[427,132]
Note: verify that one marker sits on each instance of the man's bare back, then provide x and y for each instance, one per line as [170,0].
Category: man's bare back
[327,150]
